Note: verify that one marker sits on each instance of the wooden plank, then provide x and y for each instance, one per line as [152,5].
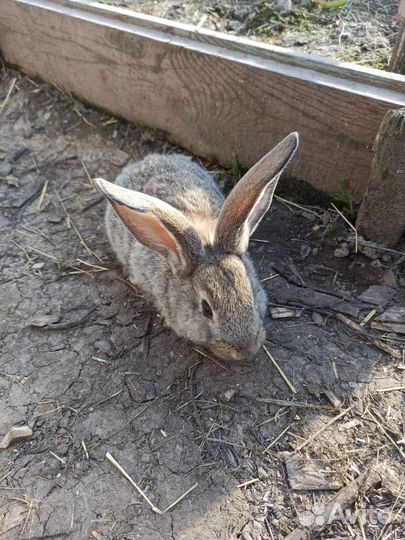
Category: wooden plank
[213,94]
[381,217]
[397,63]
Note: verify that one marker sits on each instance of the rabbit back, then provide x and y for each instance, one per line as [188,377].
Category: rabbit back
[178,181]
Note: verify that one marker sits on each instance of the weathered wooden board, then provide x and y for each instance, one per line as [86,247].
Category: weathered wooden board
[213,94]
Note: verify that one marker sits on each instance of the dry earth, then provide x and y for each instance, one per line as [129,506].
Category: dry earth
[88,365]
[363,31]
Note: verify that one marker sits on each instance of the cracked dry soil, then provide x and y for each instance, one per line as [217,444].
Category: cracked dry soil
[88,365]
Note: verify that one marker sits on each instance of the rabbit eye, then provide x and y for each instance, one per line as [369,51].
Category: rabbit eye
[206,309]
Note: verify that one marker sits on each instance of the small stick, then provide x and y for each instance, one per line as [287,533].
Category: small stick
[85,449]
[304,208]
[351,226]
[390,389]
[123,472]
[333,399]
[57,457]
[281,372]
[270,277]
[395,353]
[210,358]
[150,503]
[86,170]
[180,498]
[42,195]
[11,88]
[297,404]
[248,483]
[344,498]
[273,442]
[385,432]
[325,427]
[368,317]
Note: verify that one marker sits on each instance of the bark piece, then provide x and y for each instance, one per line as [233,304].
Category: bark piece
[16,434]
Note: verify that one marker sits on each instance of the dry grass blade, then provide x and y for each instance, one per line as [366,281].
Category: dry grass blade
[78,234]
[248,483]
[324,428]
[6,99]
[395,353]
[270,277]
[42,195]
[385,433]
[297,404]
[281,372]
[356,241]
[210,358]
[180,498]
[274,441]
[139,490]
[304,208]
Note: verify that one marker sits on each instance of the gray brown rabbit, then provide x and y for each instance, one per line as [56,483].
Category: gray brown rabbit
[180,241]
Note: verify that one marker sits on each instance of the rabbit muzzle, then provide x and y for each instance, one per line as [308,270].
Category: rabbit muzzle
[243,351]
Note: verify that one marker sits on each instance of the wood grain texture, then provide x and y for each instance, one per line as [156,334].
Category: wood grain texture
[208,91]
[381,216]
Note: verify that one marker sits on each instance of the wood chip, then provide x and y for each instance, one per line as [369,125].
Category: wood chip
[285,313]
[40,321]
[16,434]
[304,474]
[344,498]
[377,295]
[349,425]
[336,402]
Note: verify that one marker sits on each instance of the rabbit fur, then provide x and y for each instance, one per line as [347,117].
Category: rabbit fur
[183,244]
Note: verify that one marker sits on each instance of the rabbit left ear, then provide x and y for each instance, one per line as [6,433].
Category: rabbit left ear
[156,224]
[251,198]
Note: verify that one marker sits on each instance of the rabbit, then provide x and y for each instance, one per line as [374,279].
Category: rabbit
[181,242]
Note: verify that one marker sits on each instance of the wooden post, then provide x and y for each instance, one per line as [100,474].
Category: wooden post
[382,213]
[397,63]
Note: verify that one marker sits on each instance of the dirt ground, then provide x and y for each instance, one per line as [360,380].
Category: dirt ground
[362,31]
[86,363]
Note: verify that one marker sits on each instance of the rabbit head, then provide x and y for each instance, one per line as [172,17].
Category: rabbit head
[213,297]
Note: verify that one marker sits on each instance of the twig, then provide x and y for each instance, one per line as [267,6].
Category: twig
[180,498]
[11,88]
[305,209]
[78,234]
[42,196]
[385,432]
[297,404]
[68,325]
[273,442]
[57,457]
[281,372]
[325,427]
[122,471]
[139,490]
[210,358]
[395,353]
[270,277]
[344,498]
[248,483]
[351,226]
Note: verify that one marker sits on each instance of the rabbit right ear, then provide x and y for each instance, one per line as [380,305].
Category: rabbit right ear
[251,198]
[156,224]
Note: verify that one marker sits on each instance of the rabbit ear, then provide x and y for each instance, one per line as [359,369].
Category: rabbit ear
[251,198]
[156,224]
